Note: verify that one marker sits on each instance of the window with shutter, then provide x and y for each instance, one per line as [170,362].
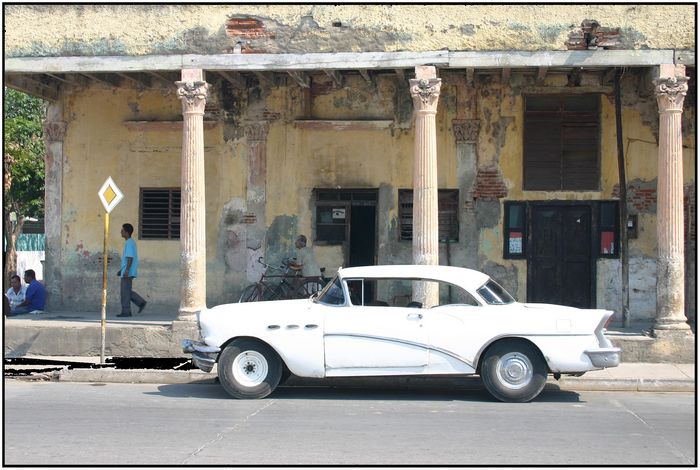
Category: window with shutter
[448,215]
[160,214]
[561,142]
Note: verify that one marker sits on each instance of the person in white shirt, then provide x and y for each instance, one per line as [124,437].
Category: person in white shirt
[16,292]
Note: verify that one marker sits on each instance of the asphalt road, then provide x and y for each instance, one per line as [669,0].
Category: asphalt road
[55,423]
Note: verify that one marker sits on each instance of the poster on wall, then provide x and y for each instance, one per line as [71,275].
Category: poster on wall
[515,243]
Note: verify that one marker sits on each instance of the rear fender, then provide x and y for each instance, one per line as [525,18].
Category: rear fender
[499,339]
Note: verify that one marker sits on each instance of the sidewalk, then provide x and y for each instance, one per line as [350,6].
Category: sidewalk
[639,377]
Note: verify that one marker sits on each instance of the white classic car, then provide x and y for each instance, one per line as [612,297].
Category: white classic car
[363,323]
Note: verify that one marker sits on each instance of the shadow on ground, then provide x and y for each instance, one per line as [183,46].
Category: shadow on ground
[216,391]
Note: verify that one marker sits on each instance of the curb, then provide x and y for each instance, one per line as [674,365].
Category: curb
[148,376]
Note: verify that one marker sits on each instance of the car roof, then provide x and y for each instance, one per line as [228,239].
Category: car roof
[464,277]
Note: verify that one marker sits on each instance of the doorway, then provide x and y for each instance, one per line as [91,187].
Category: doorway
[348,217]
[361,247]
[560,268]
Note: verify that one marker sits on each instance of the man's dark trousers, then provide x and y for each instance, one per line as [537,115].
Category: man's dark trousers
[129,295]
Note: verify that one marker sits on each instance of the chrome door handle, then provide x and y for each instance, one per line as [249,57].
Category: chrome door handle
[415,316]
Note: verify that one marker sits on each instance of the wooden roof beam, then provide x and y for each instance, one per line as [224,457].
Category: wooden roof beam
[105,80]
[163,80]
[336,76]
[265,79]
[301,78]
[367,76]
[32,87]
[505,75]
[470,76]
[350,61]
[608,76]
[541,74]
[235,79]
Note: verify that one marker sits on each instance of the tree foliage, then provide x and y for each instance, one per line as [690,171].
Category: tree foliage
[23,156]
[23,165]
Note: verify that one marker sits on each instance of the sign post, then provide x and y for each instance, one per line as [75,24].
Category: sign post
[110,195]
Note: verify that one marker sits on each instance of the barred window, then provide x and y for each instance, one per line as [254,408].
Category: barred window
[448,215]
[159,214]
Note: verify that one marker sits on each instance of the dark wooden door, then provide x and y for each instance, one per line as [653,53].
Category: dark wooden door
[560,265]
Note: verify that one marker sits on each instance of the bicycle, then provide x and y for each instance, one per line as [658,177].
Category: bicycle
[292,284]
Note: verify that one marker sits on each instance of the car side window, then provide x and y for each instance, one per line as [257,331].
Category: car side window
[355,287]
[451,294]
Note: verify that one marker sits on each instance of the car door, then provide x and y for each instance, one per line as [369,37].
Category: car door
[374,340]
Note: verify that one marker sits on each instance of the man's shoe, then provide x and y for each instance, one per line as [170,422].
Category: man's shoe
[142,307]
[124,315]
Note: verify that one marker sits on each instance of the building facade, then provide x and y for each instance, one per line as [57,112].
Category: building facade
[232,130]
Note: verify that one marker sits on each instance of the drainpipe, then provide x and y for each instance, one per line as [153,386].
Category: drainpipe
[624,252]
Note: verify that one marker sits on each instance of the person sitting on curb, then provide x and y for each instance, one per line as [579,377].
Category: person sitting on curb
[35,296]
[16,292]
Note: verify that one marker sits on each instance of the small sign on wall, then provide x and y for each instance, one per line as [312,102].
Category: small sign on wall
[339,213]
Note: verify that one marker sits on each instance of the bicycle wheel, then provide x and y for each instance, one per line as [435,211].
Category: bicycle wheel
[309,288]
[277,292]
[252,293]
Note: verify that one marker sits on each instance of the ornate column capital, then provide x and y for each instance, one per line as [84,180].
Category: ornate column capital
[670,93]
[425,93]
[193,95]
[257,131]
[55,131]
[466,131]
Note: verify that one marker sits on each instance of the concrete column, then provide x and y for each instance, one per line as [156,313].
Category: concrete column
[466,134]
[256,135]
[425,91]
[193,92]
[671,87]
[54,133]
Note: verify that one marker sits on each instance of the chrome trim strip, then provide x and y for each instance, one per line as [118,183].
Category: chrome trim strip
[409,343]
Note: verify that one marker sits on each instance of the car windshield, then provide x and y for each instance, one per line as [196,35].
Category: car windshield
[494,294]
[332,294]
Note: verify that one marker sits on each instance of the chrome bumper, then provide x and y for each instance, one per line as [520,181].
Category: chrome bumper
[604,357]
[203,355]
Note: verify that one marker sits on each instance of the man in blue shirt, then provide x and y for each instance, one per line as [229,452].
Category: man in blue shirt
[127,273]
[34,298]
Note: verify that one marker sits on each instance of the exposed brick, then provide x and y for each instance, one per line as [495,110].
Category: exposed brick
[247,28]
[489,185]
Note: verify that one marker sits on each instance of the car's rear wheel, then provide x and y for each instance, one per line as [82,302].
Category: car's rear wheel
[513,371]
[249,369]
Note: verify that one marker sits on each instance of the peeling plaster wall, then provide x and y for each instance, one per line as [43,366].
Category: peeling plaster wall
[501,144]
[300,158]
[66,30]
[99,145]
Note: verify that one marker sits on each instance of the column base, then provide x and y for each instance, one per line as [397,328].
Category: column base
[674,345]
[187,315]
[180,330]
[675,325]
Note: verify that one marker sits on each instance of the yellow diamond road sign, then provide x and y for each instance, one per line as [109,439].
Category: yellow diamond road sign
[110,195]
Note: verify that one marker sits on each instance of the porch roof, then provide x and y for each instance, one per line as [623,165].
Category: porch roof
[42,76]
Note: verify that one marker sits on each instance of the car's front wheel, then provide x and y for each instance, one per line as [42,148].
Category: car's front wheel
[513,371]
[249,369]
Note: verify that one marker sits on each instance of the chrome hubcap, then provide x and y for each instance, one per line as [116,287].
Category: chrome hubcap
[249,368]
[514,370]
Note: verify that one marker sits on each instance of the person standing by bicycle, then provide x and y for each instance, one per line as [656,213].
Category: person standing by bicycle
[303,258]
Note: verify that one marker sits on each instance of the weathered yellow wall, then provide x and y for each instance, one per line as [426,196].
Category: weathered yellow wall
[98,144]
[40,30]
[641,154]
